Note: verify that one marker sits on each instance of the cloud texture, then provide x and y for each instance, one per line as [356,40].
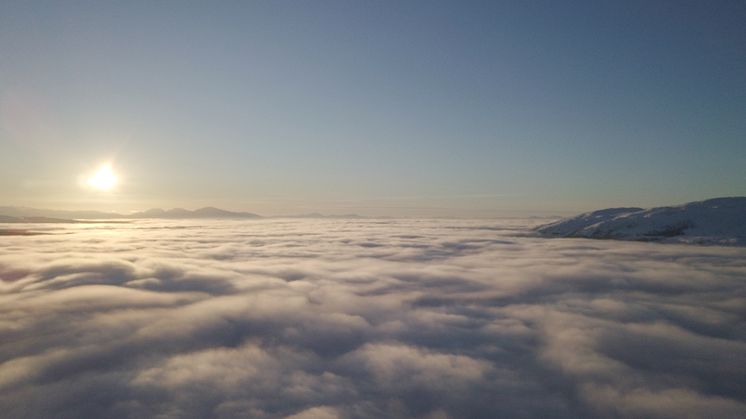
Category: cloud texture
[366,319]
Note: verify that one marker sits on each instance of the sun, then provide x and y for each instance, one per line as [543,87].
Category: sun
[104,179]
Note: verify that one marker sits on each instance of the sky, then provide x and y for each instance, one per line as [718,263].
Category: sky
[409,108]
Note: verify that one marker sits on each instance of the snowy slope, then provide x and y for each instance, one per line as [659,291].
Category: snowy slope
[714,221]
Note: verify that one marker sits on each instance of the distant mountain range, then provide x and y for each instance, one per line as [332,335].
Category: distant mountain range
[14,214]
[25,212]
[206,212]
[10,214]
[37,220]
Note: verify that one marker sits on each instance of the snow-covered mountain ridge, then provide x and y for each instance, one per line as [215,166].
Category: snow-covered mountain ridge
[714,221]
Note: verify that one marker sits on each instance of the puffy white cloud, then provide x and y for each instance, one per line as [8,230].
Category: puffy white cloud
[366,319]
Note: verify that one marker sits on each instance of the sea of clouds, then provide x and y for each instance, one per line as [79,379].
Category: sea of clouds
[365,319]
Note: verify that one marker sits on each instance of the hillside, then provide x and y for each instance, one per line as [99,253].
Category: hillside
[714,221]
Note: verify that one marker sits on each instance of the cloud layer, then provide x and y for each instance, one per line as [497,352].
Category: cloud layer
[366,319]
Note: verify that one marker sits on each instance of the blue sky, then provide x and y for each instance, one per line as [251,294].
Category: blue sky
[377,107]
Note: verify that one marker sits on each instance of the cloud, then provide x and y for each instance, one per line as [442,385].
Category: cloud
[366,319]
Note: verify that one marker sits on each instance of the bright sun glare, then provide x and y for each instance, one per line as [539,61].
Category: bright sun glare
[104,179]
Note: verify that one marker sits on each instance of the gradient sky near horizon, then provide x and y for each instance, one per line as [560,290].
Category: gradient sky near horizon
[472,108]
